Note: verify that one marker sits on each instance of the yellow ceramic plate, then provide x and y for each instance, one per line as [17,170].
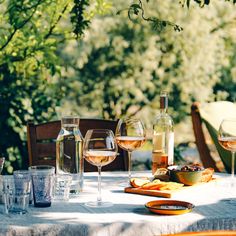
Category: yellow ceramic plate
[169,207]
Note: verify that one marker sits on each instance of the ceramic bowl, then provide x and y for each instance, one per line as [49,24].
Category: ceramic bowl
[187,177]
[169,207]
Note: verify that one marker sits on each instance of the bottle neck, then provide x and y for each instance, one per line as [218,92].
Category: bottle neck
[163,103]
[163,111]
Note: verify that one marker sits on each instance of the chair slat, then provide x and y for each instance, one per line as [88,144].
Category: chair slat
[46,150]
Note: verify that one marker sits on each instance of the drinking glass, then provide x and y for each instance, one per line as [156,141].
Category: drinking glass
[100,149]
[16,192]
[42,177]
[2,160]
[62,186]
[227,138]
[130,135]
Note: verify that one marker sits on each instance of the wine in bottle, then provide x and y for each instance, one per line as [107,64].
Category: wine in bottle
[163,137]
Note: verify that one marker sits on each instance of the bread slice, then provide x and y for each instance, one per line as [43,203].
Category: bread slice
[138,182]
[207,175]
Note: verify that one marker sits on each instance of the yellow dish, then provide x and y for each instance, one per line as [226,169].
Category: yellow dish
[169,207]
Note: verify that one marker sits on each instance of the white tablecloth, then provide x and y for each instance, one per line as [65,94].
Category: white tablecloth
[127,216]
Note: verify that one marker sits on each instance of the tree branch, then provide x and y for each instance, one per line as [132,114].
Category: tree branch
[157,24]
[56,22]
[223,24]
[20,27]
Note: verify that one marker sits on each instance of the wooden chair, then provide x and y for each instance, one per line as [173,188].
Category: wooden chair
[41,140]
[206,233]
[211,114]
[203,149]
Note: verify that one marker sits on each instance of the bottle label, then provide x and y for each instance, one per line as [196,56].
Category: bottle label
[159,142]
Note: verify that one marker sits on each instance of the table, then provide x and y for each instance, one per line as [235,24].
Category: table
[128,216]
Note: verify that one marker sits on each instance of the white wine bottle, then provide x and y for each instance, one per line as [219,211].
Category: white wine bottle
[163,137]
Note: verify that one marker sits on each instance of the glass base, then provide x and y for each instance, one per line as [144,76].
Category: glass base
[227,183]
[98,204]
[226,189]
[16,211]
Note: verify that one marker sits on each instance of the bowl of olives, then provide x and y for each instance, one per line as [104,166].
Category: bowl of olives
[186,174]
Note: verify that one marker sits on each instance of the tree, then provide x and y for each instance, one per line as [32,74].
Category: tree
[31,32]
[125,65]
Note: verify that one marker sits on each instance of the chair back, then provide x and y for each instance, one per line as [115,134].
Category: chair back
[41,140]
[211,114]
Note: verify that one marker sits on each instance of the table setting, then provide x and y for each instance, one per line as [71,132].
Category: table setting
[127,214]
[62,200]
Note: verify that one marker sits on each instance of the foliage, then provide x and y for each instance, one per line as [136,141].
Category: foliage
[225,88]
[30,35]
[77,16]
[125,65]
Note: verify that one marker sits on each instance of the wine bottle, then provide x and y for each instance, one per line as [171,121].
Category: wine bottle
[163,137]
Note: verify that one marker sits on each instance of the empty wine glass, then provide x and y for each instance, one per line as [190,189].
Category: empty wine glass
[100,149]
[227,138]
[2,160]
[130,135]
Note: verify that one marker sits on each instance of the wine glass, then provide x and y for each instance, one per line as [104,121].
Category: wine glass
[100,149]
[130,135]
[227,138]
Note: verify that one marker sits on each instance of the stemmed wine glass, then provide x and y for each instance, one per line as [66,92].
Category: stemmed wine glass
[100,149]
[227,138]
[130,135]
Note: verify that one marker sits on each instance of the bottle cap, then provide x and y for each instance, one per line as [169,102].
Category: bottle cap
[163,100]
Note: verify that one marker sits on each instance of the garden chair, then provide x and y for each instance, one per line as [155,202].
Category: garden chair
[41,140]
[211,114]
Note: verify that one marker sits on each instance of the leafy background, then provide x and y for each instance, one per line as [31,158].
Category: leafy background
[67,57]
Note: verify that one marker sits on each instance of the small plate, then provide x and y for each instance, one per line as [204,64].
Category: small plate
[169,207]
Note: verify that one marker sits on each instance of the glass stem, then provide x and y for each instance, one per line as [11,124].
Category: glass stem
[99,198]
[232,166]
[129,165]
